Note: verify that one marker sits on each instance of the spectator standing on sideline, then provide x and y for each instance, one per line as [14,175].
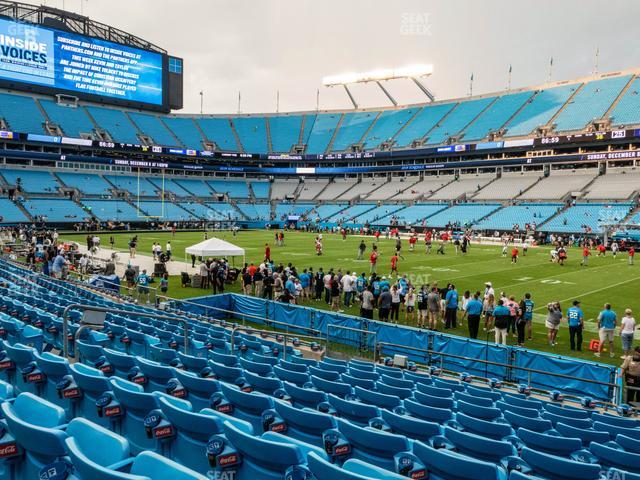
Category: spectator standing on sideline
[501,316]
[451,307]
[433,304]
[554,317]
[366,307]
[575,318]
[527,313]
[607,321]
[384,305]
[627,329]
[473,312]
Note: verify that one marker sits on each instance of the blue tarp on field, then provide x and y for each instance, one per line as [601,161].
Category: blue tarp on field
[407,339]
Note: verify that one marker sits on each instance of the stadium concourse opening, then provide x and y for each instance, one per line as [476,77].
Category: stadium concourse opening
[444,289]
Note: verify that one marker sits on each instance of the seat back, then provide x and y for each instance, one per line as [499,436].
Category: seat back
[263,459]
[410,426]
[247,406]
[453,466]
[336,388]
[151,465]
[306,425]
[558,468]
[586,436]
[552,444]
[483,427]
[427,412]
[356,412]
[478,446]
[305,397]
[381,400]
[350,470]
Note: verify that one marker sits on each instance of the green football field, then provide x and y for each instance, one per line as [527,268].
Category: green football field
[606,279]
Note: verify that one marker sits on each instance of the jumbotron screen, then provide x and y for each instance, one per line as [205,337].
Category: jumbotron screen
[64,62]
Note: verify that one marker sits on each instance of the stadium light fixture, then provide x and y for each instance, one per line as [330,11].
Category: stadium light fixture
[413,72]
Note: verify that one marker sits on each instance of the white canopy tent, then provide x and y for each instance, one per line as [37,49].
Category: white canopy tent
[215,247]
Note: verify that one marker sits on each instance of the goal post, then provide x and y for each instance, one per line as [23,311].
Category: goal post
[140,212]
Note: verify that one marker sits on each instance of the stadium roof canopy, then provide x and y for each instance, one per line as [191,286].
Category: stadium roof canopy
[215,247]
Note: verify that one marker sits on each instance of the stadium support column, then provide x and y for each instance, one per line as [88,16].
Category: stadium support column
[353,100]
[424,89]
[386,92]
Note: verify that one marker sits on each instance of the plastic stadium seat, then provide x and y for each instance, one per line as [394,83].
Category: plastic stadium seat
[586,436]
[247,406]
[350,470]
[294,367]
[120,362]
[448,384]
[482,427]
[551,444]
[305,448]
[446,465]
[262,459]
[262,384]
[433,401]
[478,446]
[367,374]
[198,389]
[336,388]
[285,375]
[224,359]
[21,356]
[522,401]
[362,365]
[309,362]
[358,413]
[394,372]
[192,434]
[96,452]
[574,422]
[615,420]
[397,382]
[410,426]
[305,397]
[558,468]
[156,374]
[36,426]
[535,424]
[399,392]
[381,400]
[484,392]
[525,412]
[357,382]
[135,405]
[480,401]
[334,367]
[191,363]
[305,425]
[567,411]
[434,391]
[616,457]
[628,443]
[53,368]
[485,413]
[92,384]
[330,375]
[373,446]
[417,378]
[428,412]
[156,467]
[614,430]
[256,367]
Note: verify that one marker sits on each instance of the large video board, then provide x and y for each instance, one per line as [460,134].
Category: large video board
[38,58]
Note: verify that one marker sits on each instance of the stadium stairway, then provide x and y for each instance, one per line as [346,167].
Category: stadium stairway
[530,186]
[607,115]
[236,136]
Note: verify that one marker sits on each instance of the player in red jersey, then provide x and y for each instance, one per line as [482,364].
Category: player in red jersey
[514,255]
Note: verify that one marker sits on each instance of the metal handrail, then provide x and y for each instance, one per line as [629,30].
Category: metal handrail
[78,306]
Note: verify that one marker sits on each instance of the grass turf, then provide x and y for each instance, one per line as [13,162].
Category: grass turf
[605,279]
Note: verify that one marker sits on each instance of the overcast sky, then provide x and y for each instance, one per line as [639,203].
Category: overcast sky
[261,46]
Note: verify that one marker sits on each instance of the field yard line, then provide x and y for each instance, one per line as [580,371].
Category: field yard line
[590,269]
[497,271]
[594,291]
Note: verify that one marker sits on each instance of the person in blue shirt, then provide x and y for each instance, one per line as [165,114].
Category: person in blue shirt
[607,321]
[451,307]
[575,317]
[526,306]
[291,286]
[361,283]
[305,283]
[473,313]
[384,283]
[501,315]
[143,282]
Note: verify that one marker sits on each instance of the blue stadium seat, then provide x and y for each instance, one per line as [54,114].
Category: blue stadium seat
[390,390]
[535,424]
[482,427]
[156,374]
[156,467]
[263,459]
[95,452]
[585,435]
[356,412]
[304,424]
[305,397]
[485,413]
[443,464]
[614,456]
[374,446]
[247,406]
[92,384]
[573,421]
[478,446]
[262,384]
[285,375]
[428,412]
[336,388]
[615,420]
[198,389]
[567,411]
[614,430]
[479,401]
[375,398]
[330,375]
[350,470]
[410,426]
[434,390]
[558,468]
[37,426]
[353,381]
[525,412]
[551,444]
[628,443]
[433,401]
